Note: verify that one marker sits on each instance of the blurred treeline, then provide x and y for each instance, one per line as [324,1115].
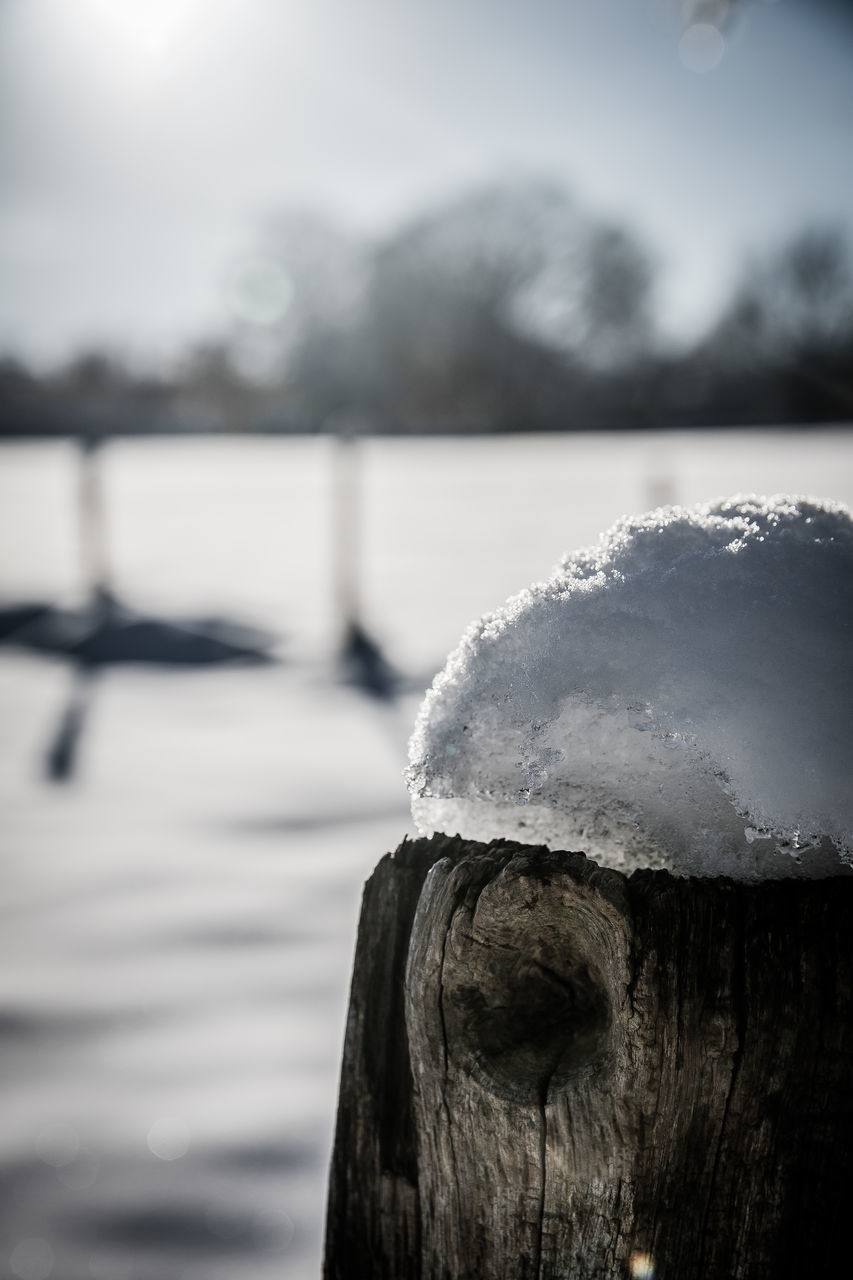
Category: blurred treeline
[506,309]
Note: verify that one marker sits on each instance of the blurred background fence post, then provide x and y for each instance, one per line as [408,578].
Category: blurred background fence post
[347,520]
[362,660]
[94,532]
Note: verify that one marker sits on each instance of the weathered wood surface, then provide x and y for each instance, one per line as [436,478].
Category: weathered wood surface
[552,1070]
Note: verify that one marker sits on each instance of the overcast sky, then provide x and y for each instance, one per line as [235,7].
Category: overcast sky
[142,142]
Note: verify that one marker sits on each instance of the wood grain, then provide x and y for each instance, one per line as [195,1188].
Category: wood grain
[552,1070]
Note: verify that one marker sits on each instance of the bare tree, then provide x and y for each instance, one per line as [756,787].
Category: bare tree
[487,311]
[788,330]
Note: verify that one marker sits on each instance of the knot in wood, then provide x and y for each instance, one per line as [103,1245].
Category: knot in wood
[525,1004]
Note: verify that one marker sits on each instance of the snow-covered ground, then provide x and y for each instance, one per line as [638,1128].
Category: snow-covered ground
[177,924]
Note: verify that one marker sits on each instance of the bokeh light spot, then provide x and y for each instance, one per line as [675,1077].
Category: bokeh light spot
[32,1259]
[701,48]
[57,1145]
[104,1266]
[81,1173]
[260,292]
[282,1226]
[714,12]
[169,1138]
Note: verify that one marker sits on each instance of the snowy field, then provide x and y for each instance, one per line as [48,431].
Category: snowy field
[178,922]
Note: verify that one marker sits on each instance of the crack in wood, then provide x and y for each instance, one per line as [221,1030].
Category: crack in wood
[738,993]
[543,1176]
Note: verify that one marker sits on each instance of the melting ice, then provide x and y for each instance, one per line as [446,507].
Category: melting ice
[679,696]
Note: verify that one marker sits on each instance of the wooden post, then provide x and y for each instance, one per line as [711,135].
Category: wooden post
[93,524]
[346,521]
[553,1070]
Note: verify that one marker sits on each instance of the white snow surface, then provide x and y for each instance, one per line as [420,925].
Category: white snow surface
[678,696]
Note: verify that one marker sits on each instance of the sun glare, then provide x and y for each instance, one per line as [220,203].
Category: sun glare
[149,30]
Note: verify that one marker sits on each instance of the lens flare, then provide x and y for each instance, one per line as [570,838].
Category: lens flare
[32,1259]
[260,291]
[57,1145]
[701,48]
[642,1266]
[169,1138]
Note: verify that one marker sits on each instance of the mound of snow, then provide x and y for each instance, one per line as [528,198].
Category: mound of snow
[680,696]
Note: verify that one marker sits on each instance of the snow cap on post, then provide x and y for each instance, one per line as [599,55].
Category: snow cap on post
[679,696]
